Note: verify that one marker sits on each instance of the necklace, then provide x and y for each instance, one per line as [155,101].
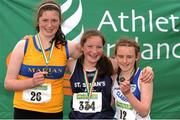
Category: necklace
[88,85]
[43,52]
[121,78]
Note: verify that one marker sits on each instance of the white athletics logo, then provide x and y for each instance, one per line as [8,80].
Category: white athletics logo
[70,23]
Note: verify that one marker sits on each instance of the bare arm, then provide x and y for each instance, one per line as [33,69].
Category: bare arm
[71,65]
[147,75]
[74,49]
[143,106]
[11,80]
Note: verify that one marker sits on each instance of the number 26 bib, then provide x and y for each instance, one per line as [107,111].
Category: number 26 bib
[38,94]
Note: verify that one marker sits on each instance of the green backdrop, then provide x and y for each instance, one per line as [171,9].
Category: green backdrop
[154,24]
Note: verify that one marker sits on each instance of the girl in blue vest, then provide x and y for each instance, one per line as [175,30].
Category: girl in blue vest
[132,96]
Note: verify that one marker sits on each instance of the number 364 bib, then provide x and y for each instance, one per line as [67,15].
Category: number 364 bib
[84,104]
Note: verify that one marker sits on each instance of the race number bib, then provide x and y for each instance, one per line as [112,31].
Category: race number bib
[38,94]
[125,111]
[84,104]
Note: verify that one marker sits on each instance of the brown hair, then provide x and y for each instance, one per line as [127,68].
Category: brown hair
[89,33]
[49,5]
[103,65]
[129,43]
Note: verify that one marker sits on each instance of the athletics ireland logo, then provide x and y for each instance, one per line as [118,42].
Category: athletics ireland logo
[72,21]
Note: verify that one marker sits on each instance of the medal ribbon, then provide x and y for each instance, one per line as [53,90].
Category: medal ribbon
[88,85]
[131,75]
[43,52]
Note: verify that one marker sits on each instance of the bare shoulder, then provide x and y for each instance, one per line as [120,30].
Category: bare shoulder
[20,43]
[20,46]
[16,59]
[18,51]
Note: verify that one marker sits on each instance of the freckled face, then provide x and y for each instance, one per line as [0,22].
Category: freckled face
[126,58]
[93,49]
[49,23]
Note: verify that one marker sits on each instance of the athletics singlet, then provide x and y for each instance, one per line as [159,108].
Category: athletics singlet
[98,107]
[124,110]
[48,97]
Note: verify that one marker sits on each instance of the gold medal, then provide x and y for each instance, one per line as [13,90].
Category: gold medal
[46,59]
[89,86]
